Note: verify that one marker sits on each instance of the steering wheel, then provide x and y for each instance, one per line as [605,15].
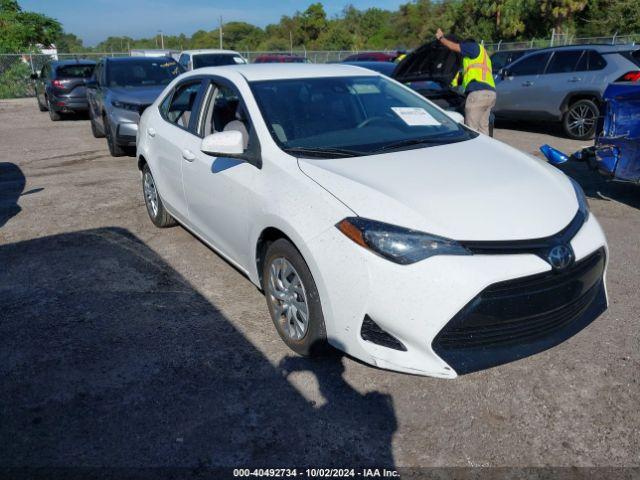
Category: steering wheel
[369,120]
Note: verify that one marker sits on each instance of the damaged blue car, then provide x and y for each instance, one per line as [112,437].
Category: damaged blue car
[616,152]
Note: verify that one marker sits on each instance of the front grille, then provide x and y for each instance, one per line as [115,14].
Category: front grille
[516,318]
[372,332]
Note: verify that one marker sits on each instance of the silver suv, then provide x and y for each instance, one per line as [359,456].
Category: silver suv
[563,84]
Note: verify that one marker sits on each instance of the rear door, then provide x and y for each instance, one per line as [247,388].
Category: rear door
[171,142]
[517,93]
[559,79]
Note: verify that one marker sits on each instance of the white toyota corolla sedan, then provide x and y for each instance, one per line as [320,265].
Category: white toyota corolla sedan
[372,219]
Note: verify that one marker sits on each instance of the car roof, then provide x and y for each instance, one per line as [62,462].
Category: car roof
[602,48]
[208,50]
[281,71]
[137,59]
[75,61]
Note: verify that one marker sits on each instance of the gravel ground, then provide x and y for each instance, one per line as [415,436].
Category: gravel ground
[123,345]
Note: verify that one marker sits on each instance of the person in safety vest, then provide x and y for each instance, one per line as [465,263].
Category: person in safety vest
[476,79]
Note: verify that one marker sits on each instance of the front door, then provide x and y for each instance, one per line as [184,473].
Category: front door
[219,189]
[518,91]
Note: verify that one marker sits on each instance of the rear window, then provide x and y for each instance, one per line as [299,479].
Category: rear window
[564,61]
[75,71]
[632,55]
[217,59]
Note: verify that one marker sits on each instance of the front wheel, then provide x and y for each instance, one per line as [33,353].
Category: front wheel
[579,121]
[155,208]
[94,128]
[293,300]
[114,149]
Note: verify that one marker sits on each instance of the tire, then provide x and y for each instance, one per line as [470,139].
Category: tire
[114,149]
[41,107]
[94,128]
[158,214]
[53,115]
[579,121]
[285,284]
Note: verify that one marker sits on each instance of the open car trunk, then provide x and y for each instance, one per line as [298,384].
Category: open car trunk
[429,70]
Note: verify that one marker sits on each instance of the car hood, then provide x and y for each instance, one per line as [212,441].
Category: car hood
[137,95]
[479,189]
[432,61]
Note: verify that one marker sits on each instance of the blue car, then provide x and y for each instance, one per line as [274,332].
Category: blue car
[616,153]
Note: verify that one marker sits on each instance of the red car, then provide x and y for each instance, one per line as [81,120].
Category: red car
[371,57]
[280,58]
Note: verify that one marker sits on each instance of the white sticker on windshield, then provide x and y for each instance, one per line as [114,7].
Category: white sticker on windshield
[415,116]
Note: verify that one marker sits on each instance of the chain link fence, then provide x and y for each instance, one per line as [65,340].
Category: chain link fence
[16,69]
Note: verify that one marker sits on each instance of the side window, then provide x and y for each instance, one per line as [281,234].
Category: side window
[99,73]
[225,111]
[596,61]
[531,65]
[184,61]
[180,107]
[564,61]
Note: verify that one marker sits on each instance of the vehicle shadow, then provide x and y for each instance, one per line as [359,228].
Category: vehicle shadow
[12,182]
[600,187]
[110,359]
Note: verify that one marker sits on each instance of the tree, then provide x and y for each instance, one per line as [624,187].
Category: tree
[562,12]
[20,30]
[69,43]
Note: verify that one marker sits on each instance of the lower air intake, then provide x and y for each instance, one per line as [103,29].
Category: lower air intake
[371,332]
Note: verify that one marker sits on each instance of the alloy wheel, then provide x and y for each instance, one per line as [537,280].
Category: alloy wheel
[582,120]
[151,194]
[288,298]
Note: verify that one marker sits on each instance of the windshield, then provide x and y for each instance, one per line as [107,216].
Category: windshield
[217,59]
[350,116]
[143,72]
[75,71]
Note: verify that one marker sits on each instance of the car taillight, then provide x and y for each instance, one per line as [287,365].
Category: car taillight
[633,76]
[57,84]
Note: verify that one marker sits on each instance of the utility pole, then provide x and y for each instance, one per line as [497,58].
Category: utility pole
[290,43]
[220,30]
[161,39]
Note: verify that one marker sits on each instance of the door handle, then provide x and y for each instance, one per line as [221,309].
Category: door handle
[527,83]
[574,79]
[188,155]
[151,132]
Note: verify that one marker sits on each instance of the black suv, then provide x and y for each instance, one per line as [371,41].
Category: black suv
[60,87]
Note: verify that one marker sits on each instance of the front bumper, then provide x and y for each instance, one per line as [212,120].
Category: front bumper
[419,304]
[124,125]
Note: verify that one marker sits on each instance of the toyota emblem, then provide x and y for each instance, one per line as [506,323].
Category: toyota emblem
[560,257]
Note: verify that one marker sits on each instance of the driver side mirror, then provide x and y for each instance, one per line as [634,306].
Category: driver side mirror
[223,144]
[504,73]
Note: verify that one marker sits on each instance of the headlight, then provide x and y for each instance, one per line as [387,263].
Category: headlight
[583,206]
[125,106]
[398,244]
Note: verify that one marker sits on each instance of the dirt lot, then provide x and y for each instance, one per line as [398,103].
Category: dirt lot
[124,345]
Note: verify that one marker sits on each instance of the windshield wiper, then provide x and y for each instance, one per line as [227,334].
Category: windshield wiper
[336,152]
[408,143]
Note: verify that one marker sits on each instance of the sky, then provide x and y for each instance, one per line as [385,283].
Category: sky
[95,20]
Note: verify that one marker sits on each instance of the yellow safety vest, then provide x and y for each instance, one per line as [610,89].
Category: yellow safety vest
[478,69]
